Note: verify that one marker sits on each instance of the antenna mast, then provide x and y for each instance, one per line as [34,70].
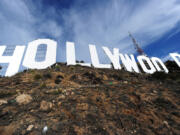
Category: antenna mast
[138,49]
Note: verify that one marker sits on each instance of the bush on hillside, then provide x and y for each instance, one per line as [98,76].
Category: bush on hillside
[37,76]
[159,76]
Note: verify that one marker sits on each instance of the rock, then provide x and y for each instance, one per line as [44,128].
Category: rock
[125,82]
[82,106]
[59,104]
[30,127]
[62,97]
[68,93]
[166,123]
[154,91]
[45,129]
[64,91]
[3,102]
[105,77]
[45,106]
[23,99]
[72,93]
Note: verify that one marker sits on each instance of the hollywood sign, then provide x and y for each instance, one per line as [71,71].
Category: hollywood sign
[149,65]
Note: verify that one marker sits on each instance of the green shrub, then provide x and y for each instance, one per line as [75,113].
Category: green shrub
[57,67]
[37,76]
[159,75]
[43,85]
[57,81]
[47,75]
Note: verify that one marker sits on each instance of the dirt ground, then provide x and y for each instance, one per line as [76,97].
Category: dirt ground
[75,100]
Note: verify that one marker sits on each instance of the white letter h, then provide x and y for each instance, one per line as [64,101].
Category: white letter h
[14,60]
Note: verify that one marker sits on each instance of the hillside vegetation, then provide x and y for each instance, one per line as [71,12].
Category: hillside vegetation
[76,100]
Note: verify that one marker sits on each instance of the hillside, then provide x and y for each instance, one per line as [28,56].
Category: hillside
[76,100]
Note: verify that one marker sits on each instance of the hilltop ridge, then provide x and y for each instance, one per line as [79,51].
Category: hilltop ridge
[78,100]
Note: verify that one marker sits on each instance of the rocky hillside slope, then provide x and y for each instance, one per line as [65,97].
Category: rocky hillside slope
[75,100]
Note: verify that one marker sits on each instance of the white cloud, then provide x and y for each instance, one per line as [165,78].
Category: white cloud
[50,27]
[104,24]
[108,24]
[20,26]
[15,21]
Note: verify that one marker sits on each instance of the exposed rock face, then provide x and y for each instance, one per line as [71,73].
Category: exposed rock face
[3,102]
[23,99]
[30,127]
[89,101]
[45,106]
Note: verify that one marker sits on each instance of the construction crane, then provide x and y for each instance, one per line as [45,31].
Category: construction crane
[138,49]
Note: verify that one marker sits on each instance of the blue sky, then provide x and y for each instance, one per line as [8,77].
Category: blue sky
[154,24]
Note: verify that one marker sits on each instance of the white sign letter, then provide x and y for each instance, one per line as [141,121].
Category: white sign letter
[155,61]
[174,55]
[50,58]
[113,57]
[141,60]
[130,64]
[71,56]
[95,59]
[14,60]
